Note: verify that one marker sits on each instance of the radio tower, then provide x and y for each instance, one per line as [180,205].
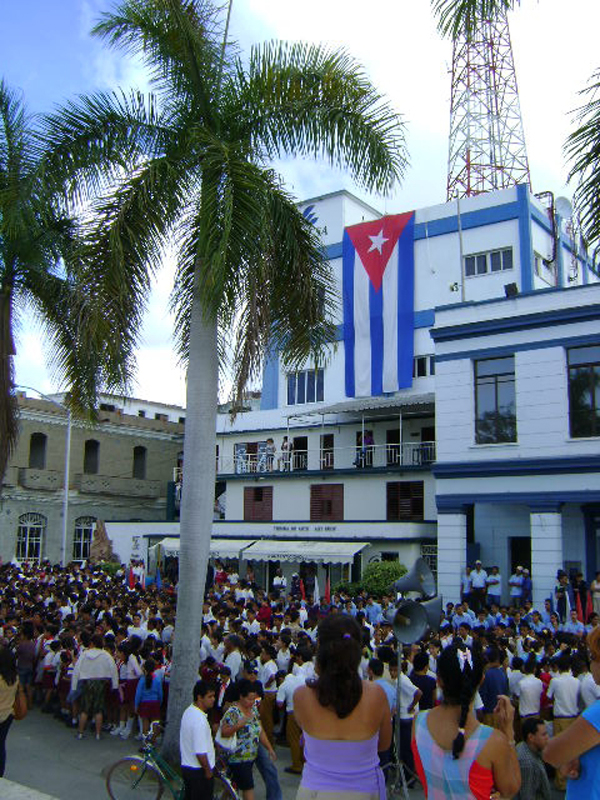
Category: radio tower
[487,144]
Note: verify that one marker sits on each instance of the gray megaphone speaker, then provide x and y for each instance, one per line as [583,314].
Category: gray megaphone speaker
[410,622]
[419,579]
[433,609]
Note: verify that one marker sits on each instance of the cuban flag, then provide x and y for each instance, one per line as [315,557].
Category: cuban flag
[378,300]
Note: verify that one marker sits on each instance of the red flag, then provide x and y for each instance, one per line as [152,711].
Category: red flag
[131,578]
[327,591]
[302,589]
[579,608]
[589,607]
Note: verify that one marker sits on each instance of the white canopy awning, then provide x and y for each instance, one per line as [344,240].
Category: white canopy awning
[298,550]
[219,548]
[404,402]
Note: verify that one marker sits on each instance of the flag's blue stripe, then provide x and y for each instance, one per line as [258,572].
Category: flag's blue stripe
[348,255]
[376,315]
[406,293]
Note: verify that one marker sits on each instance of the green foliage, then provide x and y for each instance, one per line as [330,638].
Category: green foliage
[459,17]
[110,567]
[378,576]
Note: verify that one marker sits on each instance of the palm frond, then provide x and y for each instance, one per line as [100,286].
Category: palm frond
[462,17]
[583,151]
[306,100]
[92,143]
[179,40]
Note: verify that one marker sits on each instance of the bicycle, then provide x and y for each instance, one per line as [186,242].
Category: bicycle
[146,776]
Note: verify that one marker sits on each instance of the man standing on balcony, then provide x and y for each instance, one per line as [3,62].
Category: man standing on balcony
[286,454]
[478,586]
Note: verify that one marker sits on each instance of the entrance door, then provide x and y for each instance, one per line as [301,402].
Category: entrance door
[300,453]
[520,552]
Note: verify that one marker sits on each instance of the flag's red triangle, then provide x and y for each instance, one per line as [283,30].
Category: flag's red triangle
[374,242]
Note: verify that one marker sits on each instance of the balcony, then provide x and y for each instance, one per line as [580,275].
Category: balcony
[383,457]
[43,480]
[127,487]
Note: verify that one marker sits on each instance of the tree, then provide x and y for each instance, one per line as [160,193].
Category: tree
[189,163]
[39,269]
[582,148]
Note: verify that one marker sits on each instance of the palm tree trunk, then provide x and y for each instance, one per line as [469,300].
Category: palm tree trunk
[197,505]
[9,425]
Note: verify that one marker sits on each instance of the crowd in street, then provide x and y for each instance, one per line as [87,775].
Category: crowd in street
[95,650]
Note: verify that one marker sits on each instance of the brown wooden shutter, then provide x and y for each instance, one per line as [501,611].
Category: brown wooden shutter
[258,504]
[327,502]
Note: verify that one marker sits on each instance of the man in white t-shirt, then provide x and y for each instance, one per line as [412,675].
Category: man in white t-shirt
[196,745]
[529,692]
[564,689]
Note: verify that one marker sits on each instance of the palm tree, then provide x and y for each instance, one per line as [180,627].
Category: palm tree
[582,148]
[39,267]
[189,164]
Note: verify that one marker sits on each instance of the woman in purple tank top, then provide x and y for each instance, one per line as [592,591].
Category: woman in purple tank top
[346,721]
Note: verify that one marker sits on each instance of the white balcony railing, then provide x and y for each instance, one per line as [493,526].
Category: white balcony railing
[408,454]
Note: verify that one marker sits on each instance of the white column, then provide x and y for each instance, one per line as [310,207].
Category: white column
[452,554]
[546,553]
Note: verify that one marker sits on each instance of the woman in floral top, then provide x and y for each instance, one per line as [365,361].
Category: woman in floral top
[243,720]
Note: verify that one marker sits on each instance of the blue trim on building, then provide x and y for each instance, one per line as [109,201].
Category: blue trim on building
[517,466]
[270,387]
[449,504]
[541,319]
[541,219]
[471,219]
[333,251]
[525,238]
[509,350]
[254,477]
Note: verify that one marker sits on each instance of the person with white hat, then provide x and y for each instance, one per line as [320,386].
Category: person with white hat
[515,584]
[478,586]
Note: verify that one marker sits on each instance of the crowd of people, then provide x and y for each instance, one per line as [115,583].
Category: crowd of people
[327,678]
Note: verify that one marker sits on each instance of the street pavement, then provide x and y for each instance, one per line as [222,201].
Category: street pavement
[43,754]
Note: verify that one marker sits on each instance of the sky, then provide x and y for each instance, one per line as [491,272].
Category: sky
[47,52]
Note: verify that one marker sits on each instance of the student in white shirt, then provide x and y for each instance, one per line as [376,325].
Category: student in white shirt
[529,691]
[564,689]
[196,745]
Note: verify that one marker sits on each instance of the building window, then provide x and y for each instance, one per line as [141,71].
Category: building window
[305,386]
[91,457]
[429,554]
[161,417]
[258,503]
[405,501]
[492,261]
[30,536]
[141,413]
[327,502]
[423,366]
[37,451]
[82,538]
[139,463]
[584,390]
[495,404]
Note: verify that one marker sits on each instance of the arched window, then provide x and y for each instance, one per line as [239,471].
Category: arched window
[82,538]
[91,457]
[37,451]
[30,536]
[139,462]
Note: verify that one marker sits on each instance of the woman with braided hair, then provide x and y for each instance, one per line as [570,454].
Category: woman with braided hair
[455,755]
[346,721]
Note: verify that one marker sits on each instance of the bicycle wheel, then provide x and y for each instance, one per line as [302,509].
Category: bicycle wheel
[224,788]
[135,779]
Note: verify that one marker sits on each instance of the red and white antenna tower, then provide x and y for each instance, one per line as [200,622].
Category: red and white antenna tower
[487,144]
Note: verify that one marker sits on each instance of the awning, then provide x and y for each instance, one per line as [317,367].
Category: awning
[320,552]
[219,548]
[405,402]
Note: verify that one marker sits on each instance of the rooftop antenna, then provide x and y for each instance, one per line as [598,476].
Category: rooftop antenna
[487,143]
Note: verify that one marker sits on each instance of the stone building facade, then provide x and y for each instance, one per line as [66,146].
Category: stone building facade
[120,469]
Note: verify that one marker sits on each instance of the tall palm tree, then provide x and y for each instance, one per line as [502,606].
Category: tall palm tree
[189,164]
[39,267]
[582,148]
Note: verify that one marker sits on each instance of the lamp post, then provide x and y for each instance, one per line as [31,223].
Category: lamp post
[65,505]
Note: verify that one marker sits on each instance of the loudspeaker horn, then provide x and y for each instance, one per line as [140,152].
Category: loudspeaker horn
[433,609]
[419,579]
[410,622]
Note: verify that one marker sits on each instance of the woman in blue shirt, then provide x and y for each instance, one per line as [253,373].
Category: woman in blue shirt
[148,696]
[577,751]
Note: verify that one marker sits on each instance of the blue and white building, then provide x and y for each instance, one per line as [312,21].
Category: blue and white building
[489,444]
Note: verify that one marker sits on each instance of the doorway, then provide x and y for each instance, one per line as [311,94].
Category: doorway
[520,552]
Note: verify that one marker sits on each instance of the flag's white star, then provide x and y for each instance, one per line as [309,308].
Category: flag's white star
[377,242]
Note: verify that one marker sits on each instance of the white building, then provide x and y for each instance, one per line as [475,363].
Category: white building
[463,462]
